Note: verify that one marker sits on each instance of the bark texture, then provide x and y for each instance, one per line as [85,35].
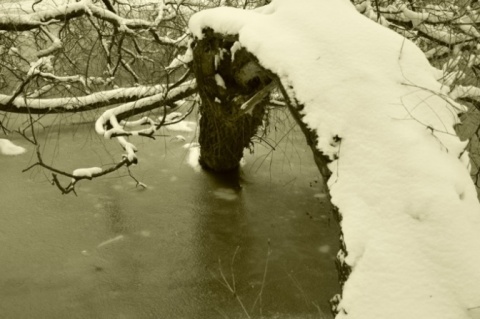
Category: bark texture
[226,78]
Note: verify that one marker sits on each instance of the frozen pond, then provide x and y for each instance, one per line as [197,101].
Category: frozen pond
[167,251]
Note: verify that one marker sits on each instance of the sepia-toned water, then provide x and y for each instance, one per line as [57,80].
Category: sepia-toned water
[257,244]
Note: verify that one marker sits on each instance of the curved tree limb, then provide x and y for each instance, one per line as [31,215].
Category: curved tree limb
[92,101]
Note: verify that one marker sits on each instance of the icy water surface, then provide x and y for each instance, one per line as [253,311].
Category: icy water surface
[174,250]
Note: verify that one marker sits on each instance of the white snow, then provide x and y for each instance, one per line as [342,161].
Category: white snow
[25,6]
[111,241]
[217,59]
[180,138]
[320,195]
[464,91]
[87,172]
[227,194]
[182,59]
[189,145]
[183,126]
[411,218]
[324,249]
[193,156]
[235,47]
[129,148]
[219,80]
[149,100]
[79,101]
[8,148]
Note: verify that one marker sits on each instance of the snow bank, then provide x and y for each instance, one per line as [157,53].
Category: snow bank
[411,218]
[8,148]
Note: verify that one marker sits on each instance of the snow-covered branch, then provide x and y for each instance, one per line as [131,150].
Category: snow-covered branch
[111,125]
[77,174]
[69,56]
[27,21]
[149,94]
[448,34]
[56,44]
[444,24]
[108,123]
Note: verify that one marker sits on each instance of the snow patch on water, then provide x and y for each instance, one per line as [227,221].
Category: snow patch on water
[180,138]
[190,145]
[225,194]
[325,249]
[193,156]
[184,126]
[145,233]
[8,148]
[117,187]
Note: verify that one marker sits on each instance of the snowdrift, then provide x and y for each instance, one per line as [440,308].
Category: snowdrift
[400,175]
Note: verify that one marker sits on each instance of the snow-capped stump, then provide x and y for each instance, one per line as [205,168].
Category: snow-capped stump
[371,105]
[227,77]
[8,148]
[87,172]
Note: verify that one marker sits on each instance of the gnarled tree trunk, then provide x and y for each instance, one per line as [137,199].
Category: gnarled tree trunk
[227,77]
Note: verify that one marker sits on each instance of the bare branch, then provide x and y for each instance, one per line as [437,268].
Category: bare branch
[74,176]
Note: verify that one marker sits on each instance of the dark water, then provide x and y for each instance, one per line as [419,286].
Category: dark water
[174,250]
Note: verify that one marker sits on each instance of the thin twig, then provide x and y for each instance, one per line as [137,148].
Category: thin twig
[231,287]
[260,293]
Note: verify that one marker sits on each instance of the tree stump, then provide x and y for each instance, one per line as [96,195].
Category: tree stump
[227,76]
